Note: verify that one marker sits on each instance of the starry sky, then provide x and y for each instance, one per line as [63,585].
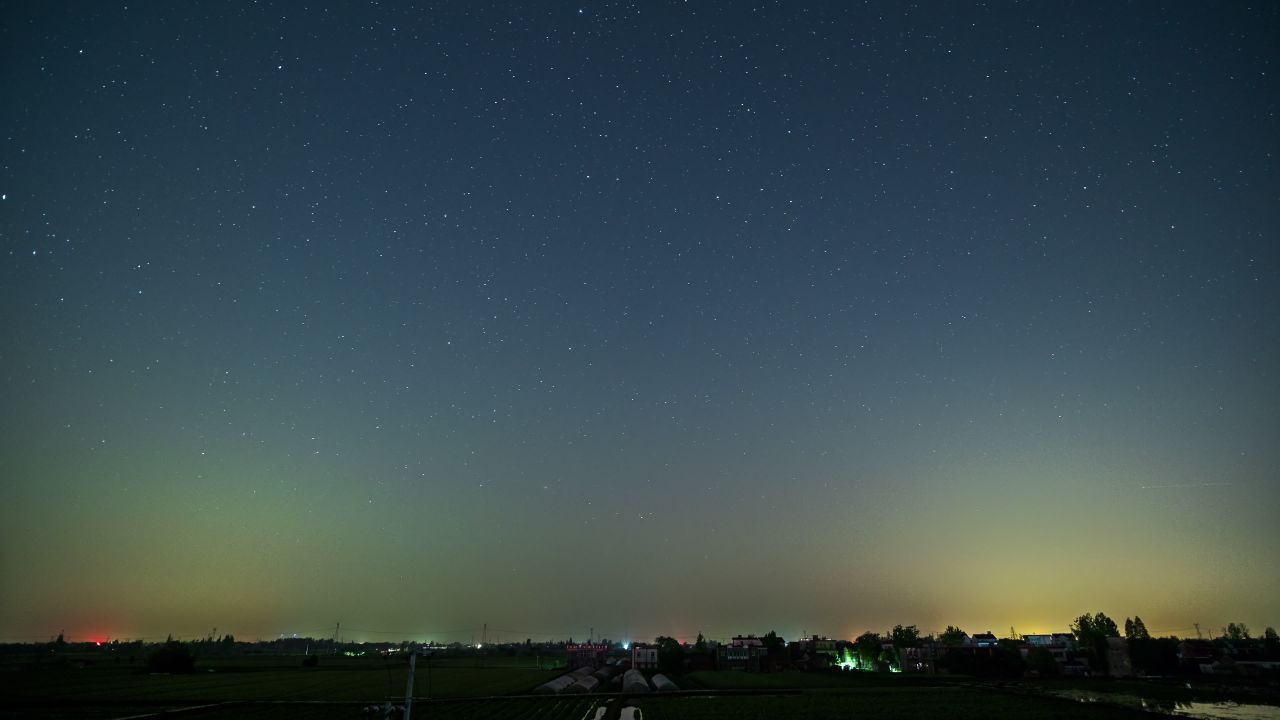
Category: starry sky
[652,318]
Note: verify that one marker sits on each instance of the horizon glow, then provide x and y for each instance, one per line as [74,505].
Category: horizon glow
[702,319]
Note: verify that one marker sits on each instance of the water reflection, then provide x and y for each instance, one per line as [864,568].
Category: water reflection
[1214,711]
[1179,708]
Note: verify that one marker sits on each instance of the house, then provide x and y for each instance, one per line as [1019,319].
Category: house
[983,640]
[742,653]
[585,655]
[1059,645]
[916,659]
[1195,653]
[1050,640]
[644,657]
[813,653]
[973,654]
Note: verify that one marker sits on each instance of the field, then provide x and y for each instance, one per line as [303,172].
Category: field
[869,695]
[119,689]
[943,703]
[579,708]
[343,688]
[553,708]
[270,683]
[725,680]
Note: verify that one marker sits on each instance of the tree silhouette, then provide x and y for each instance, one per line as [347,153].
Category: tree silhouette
[901,637]
[772,643]
[952,636]
[1135,629]
[670,655]
[1236,632]
[171,657]
[868,648]
[1091,633]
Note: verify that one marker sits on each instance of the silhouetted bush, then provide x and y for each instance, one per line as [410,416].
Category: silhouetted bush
[1004,660]
[311,660]
[1154,656]
[171,657]
[1041,661]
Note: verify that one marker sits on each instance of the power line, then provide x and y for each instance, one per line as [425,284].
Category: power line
[413,633]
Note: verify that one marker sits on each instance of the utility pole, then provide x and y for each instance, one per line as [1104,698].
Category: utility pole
[408,689]
[1198,636]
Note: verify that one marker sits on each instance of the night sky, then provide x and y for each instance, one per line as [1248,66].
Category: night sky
[655,318]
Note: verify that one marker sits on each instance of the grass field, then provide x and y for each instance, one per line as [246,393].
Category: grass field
[284,679]
[728,680]
[562,708]
[339,688]
[290,684]
[940,703]
[112,690]
[881,704]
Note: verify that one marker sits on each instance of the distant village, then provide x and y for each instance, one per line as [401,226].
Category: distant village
[1093,646]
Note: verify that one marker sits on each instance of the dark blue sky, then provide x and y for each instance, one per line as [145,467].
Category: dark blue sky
[755,316]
